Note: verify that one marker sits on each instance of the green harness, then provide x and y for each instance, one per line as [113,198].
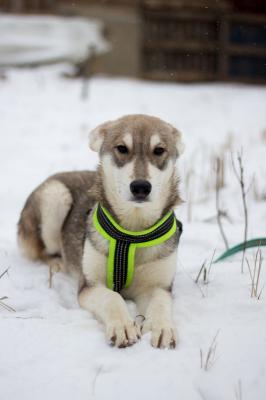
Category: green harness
[123,244]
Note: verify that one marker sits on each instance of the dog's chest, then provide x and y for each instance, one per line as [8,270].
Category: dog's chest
[142,255]
[96,252]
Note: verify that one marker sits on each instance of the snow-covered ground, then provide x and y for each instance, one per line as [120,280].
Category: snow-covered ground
[49,347]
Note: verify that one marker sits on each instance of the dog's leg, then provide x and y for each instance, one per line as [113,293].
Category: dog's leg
[55,203]
[110,307]
[156,306]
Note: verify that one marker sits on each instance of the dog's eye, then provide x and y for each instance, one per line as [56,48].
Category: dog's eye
[122,149]
[158,151]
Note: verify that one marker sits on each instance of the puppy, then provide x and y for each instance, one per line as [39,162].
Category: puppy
[69,220]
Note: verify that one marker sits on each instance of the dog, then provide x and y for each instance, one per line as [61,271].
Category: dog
[136,184]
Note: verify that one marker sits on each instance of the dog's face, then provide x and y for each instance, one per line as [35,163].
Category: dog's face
[138,155]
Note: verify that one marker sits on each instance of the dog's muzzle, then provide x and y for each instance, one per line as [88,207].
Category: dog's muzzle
[140,189]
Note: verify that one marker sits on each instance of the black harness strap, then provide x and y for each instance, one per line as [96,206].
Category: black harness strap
[125,239]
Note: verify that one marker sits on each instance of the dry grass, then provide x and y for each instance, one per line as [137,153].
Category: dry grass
[6,306]
[207,360]
[238,390]
[200,271]
[205,270]
[255,275]
[2,302]
[98,372]
[5,272]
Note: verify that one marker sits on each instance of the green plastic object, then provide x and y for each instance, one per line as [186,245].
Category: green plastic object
[240,247]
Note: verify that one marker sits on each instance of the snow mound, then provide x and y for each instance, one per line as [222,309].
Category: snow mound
[41,39]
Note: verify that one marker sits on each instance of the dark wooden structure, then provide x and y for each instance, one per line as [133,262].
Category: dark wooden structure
[194,43]
[27,6]
[173,40]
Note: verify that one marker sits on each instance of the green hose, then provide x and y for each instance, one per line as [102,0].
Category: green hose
[242,246]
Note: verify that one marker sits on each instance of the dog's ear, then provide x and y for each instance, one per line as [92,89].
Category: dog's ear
[180,146]
[97,135]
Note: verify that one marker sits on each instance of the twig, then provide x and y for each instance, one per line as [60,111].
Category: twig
[220,213]
[240,177]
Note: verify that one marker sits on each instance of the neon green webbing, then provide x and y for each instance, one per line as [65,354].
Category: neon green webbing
[132,246]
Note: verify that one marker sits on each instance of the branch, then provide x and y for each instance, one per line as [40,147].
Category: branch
[220,213]
[240,177]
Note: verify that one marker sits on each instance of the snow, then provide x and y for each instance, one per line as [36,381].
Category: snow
[49,347]
[36,39]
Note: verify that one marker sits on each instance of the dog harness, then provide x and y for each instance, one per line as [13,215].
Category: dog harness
[123,244]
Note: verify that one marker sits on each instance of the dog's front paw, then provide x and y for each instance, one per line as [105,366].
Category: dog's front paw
[163,334]
[122,334]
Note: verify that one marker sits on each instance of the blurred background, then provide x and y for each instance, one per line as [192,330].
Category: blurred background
[170,40]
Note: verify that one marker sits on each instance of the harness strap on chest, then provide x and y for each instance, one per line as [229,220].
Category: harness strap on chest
[123,243]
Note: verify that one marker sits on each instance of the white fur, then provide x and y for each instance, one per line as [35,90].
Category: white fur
[180,146]
[106,305]
[56,201]
[111,309]
[117,180]
[128,140]
[93,263]
[156,305]
[133,215]
[155,140]
[96,139]
[149,290]
[160,180]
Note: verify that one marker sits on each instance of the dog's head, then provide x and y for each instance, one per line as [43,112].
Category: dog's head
[138,154]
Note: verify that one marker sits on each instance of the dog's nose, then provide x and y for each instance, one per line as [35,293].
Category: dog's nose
[140,189]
